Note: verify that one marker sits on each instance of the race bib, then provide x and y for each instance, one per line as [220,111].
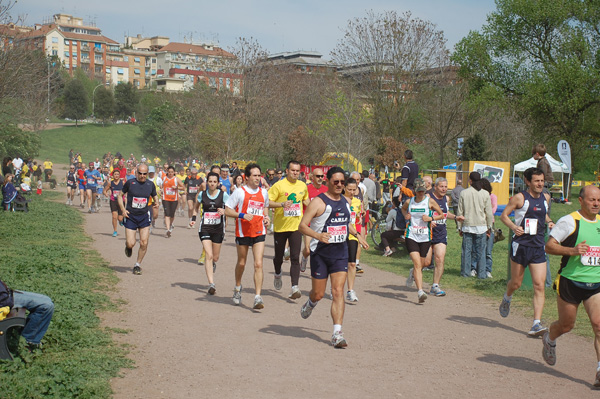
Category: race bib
[352,217]
[293,210]
[530,226]
[170,191]
[91,180]
[211,218]
[139,202]
[418,230]
[71,182]
[193,190]
[255,208]
[591,257]
[441,221]
[337,233]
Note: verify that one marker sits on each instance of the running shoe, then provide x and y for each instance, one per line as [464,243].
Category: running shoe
[128,251]
[286,254]
[169,233]
[90,210]
[504,308]
[212,289]
[338,340]
[437,291]
[537,330]
[410,279]
[68,202]
[295,292]
[303,264]
[137,270]
[549,353]
[351,296]
[202,259]
[488,275]
[121,223]
[422,296]
[597,380]
[428,268]
[115,233]
[387,252]
[258,302]
[214,266]
[306,309]
[359,270]
[277,283]
[81,206]
[237,296]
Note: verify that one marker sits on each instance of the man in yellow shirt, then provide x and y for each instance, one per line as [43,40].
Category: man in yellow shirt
[287,197]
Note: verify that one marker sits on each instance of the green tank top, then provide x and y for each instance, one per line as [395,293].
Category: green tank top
[583,268]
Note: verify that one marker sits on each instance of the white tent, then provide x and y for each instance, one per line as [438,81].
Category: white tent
[557,167]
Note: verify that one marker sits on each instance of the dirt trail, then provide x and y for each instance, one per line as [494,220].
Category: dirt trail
[186,343]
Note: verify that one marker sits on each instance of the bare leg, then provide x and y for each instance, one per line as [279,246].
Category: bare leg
[338,280]
[258,250]
[538,278]
[242,254]
[144,235]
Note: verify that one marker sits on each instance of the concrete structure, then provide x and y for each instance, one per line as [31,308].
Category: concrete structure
[304,61]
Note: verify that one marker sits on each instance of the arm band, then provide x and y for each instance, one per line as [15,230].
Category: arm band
[241,215]
[194,218]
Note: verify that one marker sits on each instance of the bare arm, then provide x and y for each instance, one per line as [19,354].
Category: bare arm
[315,208]
[553,247]
[514,202]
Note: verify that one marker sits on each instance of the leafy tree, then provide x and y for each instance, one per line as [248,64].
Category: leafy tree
[126,100]
[474,148]
[75,101]
[390,152]
[16,141]
[306,147]
[104,104]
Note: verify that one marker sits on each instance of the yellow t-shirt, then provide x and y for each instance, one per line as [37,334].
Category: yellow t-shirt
[47,165]
[355,211]
[181,179]
[282,191]
[24,169]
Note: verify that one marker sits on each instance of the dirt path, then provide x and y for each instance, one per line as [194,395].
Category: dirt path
[188,344]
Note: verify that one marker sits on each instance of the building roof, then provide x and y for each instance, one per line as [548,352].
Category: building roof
[44,30]
[196,49]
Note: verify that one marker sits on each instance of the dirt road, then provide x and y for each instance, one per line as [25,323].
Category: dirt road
[187,344]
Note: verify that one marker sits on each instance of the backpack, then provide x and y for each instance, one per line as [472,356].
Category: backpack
[6,296]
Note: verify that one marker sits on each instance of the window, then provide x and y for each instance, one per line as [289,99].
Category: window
[55,40]
[98,46]
[126,58]
[153,72]
[154,60]
[75,54]
[227,83]
[66,41]
[220,82]
[120,71]
[136,82]
[66,54]
[107,70]
[136,59]
[136,71]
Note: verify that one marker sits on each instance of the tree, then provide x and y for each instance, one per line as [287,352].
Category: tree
[104,104]
[390,152]
[126,100]
[305,146]
[543,55]
[475,148]
[75,101]
[16,141]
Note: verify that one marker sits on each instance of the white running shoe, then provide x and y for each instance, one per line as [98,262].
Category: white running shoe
[303,264]
[338,340]
[295,292]
[410,279]
[237,296]
[422,296]
[351,296]
[258,302]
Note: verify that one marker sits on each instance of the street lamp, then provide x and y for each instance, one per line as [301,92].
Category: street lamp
[93,94]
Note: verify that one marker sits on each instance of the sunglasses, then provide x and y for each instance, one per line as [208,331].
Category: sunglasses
[319,176]
[271,175]
[142,174]
[338,182]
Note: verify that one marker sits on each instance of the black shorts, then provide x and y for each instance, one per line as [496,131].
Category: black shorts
[249,241]
[421,247]
[169,207]
[352,250]
[321,267]
[526,255]
[573,291]
[93,189]
[216,238]
[134,222]
[114,207]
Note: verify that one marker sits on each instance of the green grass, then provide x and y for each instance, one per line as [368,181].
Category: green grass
[46,251]
[92,141]
[494,288]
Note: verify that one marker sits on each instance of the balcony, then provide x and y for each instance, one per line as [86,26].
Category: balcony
[85,47]
[85,60]
[98,61]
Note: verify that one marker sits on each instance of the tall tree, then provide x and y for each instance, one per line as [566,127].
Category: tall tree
[104,104]
[75,101]
[126,100]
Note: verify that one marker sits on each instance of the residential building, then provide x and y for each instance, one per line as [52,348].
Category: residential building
[304,61]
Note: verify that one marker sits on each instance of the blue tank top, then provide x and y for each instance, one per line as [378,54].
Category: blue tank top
[439,232]
[225,182]
[532,218]
[334,221]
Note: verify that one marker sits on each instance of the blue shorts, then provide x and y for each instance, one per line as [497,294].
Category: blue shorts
[134,222]
[100,190]
[81,186]
[527,255]
[321,267]
[93,189]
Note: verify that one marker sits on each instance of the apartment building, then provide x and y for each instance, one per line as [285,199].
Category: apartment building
[135,66]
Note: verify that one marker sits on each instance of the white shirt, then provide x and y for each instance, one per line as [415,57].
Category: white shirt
[17,163]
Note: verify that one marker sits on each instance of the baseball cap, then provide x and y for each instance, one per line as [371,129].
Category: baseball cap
[91,164]
[420,185]
[151,169]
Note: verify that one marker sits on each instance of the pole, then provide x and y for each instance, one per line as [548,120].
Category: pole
[48,88]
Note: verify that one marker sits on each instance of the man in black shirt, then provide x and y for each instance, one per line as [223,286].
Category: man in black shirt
[137,213]
[410,170]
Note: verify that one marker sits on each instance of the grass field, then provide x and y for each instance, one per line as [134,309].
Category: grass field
[494,288]
[46,251]
[92,141]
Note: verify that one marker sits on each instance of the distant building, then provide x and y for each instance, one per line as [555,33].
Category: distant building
[304,61]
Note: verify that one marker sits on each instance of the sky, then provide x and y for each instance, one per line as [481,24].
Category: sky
[278,26]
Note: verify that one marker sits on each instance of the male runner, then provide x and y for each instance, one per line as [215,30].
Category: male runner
[329,219]
[92,176]
[287,197]
[531,217]
[577,238]
[249,205]
[171,187]
[317,187]
[153,177]
[136,214]
[193,185]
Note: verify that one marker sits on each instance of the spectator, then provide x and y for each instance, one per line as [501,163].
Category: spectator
[539,154]
[392,232]
[9,192]
[6,166]
[490,239]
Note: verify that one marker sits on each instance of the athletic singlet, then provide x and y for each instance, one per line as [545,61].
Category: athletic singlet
[439,232]
[90,176]
[334,220]
[193,186]
[71,179]
[170,192]
[417,229]
[581,268]
[225,182]
[355,210]
[115,189]
[253,204]
[532,218]
[211,221]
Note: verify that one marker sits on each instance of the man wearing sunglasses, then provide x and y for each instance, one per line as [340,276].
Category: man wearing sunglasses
[315,188]
[137,213]
[329,218]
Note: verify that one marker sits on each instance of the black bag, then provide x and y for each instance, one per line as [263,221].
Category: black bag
[6,296]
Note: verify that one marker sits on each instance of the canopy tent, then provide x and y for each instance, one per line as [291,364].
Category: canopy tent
[555,165]
[451,166]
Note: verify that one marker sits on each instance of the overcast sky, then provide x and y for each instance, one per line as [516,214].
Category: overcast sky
[278,26]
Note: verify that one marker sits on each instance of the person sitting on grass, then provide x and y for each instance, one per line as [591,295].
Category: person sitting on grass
[9,192]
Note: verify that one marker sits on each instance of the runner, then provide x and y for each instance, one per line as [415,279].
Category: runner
[137,215]
[287,197]
[92,176]
[577,238]
[211,228]
[71,180]
[171,188]
[182,202]
[361,228]
[152,176]
[81,184]
[314,189]
[249,206]
[329,218]
[193,184]
[116,188]
[416,212]
[225,179]
[238,181]
[351,188]
[531,217]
